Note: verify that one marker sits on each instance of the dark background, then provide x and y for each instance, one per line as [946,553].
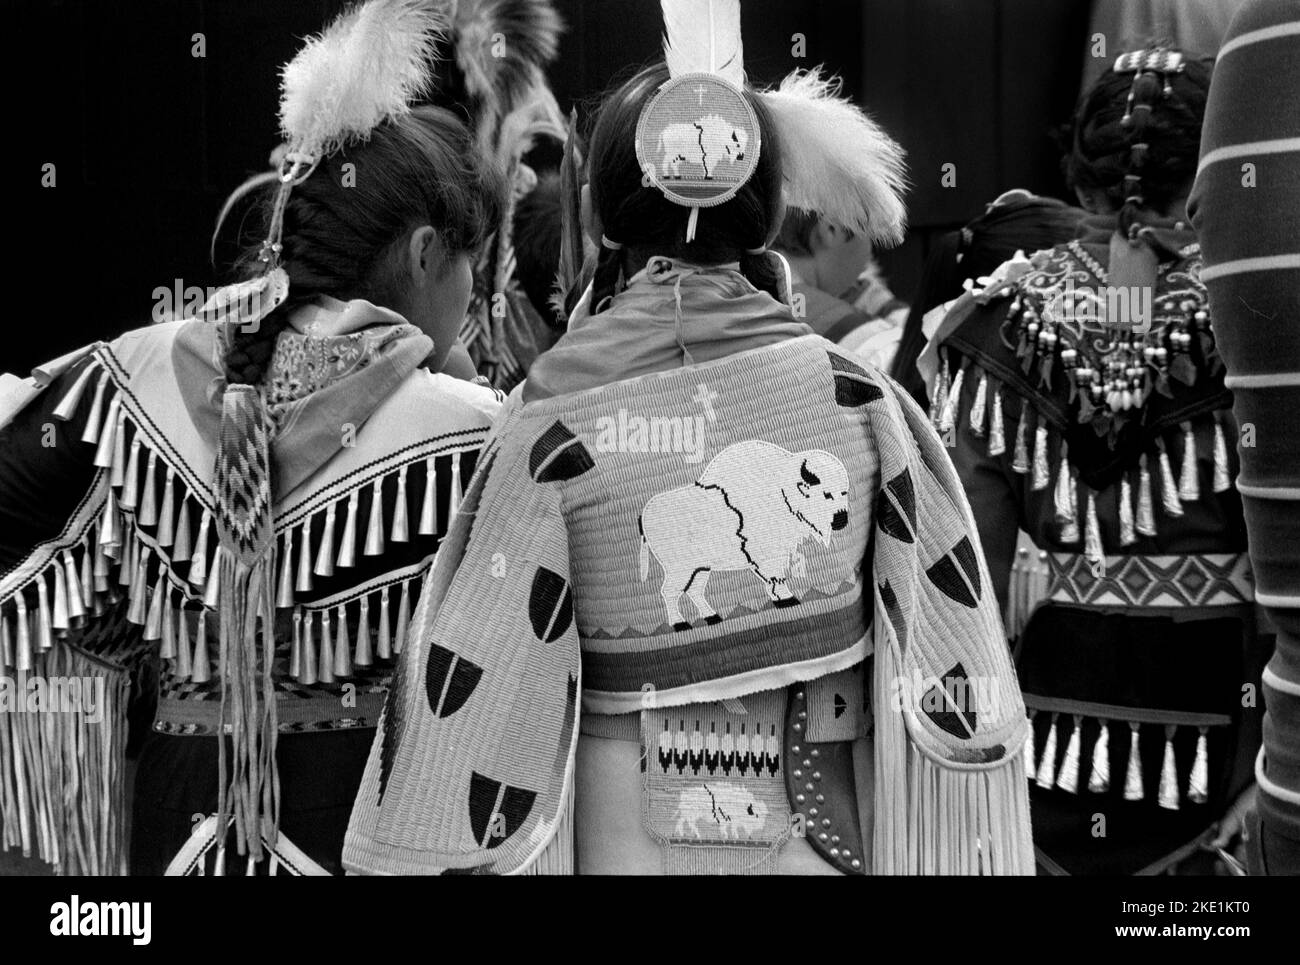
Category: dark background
[148,140]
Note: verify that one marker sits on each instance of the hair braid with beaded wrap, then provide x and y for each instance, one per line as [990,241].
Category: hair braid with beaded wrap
[1135,135]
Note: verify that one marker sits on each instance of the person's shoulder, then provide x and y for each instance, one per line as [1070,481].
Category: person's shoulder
[857,379]
[156,333]
[450,398]
[824,313]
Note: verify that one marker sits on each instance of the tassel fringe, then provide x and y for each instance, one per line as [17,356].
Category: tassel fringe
[1189,485]
[1222,474]
[979,406]
[62,795]
[1198,782]
[1047,766]
[1133,790]
[1167,796]
[1041,476]
[1168,489]
[1099,779]
[1146,517]
[149,541]
[997,434]
[1068,779]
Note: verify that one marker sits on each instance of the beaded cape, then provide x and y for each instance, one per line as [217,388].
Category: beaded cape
[1109,372]
[569,579]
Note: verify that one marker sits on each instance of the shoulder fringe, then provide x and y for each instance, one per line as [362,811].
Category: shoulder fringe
[933,818]
[145,538]
[957,802]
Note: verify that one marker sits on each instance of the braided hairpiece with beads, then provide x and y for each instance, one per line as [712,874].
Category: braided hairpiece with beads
[1151,69]
[366,68]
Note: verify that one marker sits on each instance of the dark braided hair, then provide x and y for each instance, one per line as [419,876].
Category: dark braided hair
[1137,137]
[636,214]
[345,231]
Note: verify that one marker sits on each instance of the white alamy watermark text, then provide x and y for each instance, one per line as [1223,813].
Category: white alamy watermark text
[36,694]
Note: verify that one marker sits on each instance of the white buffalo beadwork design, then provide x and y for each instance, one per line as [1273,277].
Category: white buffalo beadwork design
[708,142]
[751,509]
[719,811]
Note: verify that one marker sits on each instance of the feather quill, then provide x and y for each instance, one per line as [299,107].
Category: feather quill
[703,37]
[839,163]
[257,182]
[365,68]
[569,269]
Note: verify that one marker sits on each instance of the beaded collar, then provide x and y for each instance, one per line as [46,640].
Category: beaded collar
[1111,350]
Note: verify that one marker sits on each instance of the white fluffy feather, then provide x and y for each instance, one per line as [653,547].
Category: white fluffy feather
[536,114]
[703,37]
[364,69]
[838,162]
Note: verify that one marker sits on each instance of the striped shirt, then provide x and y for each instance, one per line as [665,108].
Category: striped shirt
[1246,211]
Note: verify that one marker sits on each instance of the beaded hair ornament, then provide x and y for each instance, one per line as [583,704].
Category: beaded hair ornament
[698,140]
[370,66]
[1151,69]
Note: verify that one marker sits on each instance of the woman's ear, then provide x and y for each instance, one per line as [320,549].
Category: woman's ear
[425,256]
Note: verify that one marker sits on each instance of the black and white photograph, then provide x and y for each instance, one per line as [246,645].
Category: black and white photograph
[646,438]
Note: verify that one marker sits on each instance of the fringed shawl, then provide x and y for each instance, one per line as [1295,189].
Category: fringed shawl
[364,437]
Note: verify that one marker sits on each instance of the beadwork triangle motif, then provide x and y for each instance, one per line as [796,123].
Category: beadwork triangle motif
[243,476]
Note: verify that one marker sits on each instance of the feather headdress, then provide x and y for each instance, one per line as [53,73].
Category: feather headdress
[698,139]
[366,68]
[703,37]
[838,162]
[369,66]
[501,47]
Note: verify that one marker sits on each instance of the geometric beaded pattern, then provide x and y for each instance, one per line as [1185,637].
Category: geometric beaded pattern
[1213,579]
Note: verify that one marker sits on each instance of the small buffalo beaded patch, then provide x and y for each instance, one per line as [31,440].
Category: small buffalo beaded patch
[714,780]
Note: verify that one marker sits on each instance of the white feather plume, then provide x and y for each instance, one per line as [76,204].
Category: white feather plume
[838,162]
[537,114]
[703,37]
[364,69]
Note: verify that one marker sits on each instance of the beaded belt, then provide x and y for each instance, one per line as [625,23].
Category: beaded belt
[202,718]
[1193,580]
